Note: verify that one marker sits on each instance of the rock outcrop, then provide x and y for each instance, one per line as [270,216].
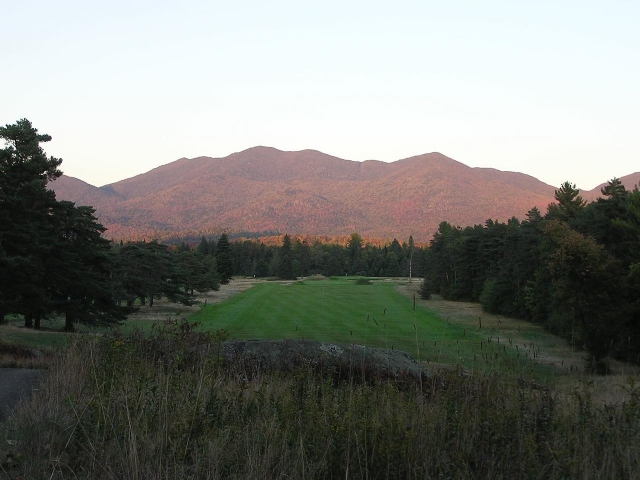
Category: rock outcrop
[343,360]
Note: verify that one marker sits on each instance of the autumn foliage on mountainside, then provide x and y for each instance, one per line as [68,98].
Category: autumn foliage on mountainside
[306,193]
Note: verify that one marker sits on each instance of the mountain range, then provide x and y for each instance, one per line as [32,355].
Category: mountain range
[263,189]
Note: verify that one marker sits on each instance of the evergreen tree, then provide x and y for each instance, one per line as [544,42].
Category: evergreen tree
[148,271]
[569,205]
[203,247]
[197,272]
[274,263]
[392,265]
[224,259]
[54,258]
[302,255]
[78,269]
[25,205]
[285,269]
[262,268]
[585,283]
[425,291]
[354,246]
[603,220]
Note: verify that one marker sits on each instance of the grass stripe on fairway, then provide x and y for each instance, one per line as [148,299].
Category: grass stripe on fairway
[340,311]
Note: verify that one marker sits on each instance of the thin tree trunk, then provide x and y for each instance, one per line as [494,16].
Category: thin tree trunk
[68,322]
[150,301]
[28,320]
[143,300]
[36,317]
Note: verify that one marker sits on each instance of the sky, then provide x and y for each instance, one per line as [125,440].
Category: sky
[547,88]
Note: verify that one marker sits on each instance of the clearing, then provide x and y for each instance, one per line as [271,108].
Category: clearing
[343,310]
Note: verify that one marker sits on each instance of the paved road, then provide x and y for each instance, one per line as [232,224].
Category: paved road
[15,383]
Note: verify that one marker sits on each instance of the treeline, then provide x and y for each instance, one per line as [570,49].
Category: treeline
[575,270]
[143,272]
[299,258]
[54,260]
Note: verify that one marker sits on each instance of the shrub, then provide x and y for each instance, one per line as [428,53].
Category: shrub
[425,290]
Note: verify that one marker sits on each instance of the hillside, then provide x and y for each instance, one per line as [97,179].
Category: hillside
[629,182]
[307,192]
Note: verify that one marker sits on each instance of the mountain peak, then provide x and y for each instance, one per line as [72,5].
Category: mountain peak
[307,192]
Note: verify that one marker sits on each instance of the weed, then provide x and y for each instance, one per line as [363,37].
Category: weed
[166,406]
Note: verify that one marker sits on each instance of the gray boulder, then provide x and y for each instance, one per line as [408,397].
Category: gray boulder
[288,355]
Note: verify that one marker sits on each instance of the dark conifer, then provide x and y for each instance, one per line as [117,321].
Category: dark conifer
[285,270]
[224,258]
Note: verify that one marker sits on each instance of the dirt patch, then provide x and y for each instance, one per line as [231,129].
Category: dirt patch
[316,277]
[13,355]
[227,291]
[164,310]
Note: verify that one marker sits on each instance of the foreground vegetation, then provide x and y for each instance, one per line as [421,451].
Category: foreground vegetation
[155,407]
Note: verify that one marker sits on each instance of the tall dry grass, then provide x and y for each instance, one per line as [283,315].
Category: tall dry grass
[155,407]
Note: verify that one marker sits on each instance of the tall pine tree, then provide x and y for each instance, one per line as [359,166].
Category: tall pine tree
[285,270]
[53,256]
[224,258]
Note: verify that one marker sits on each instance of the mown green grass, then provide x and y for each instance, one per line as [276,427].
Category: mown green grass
[342,311]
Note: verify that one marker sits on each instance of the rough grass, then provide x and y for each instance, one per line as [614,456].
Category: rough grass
[17,355]
[49,336]
[531,339]
[150,407]
[52,336]
[348,310]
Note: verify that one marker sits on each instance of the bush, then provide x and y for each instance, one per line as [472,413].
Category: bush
[498,297]
[160,407]
[425,290]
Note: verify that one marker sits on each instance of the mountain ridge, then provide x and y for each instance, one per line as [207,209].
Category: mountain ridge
[306,192]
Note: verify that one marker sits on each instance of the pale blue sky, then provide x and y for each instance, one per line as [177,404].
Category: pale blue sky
[551,89]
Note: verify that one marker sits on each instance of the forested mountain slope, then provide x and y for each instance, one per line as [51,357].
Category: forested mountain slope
[307,192]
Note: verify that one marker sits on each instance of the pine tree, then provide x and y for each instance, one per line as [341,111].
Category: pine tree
[570,203]
[354,247]
[148,271]
[78,268]
[197,272]
[224,258]
[25,204]
[203,247]
[53,256]
[285,269]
